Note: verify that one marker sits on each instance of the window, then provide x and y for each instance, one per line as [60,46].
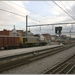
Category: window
[24,39]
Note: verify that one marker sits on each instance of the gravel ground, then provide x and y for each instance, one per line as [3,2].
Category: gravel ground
[39,66]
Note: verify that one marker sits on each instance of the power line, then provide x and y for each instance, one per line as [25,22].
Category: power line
[28,9]
[70,6]
[65,7]
[23,7]
[52,7]
[35,19]
[22,12]
[63,10]
[12,12]
[16,14]
[15,8]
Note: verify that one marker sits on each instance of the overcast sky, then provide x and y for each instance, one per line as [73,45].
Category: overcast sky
[39,12]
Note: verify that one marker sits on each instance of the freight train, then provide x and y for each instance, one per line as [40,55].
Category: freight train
[8,42]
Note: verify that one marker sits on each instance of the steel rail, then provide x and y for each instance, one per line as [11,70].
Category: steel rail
[56,69]
[59,68]
[65,69]
[71,69]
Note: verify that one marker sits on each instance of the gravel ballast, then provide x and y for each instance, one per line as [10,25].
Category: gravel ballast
[39,66]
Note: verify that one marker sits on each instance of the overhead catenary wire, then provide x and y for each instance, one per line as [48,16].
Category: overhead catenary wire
[63,10]
[29,16]
[34,19]
[55,9]
[17,14]
[12,12]
[30,10]
[23,7]
[21,12]
[65,7]
[70,6]
[20,15]
[52,7]
[14,8]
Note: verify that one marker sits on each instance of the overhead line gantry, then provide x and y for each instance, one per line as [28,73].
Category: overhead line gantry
[50,24]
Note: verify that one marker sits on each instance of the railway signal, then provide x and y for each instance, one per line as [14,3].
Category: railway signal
[58,30]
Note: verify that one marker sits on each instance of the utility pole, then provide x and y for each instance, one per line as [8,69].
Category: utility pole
[70,35]
[26,23]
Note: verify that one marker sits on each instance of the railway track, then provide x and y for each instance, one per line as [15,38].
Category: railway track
[70,71]
[5,65]
[2,49]
[63,67]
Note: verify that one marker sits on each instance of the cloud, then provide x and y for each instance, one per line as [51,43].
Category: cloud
[9,18]
[58,17]
[55,16]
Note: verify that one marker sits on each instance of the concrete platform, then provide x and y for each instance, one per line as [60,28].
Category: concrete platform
[8,53]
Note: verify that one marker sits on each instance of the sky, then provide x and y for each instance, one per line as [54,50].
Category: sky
[39,12]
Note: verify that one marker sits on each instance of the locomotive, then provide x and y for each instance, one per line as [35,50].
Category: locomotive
[11,42]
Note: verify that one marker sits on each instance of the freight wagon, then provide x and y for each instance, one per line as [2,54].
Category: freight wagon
[8,42]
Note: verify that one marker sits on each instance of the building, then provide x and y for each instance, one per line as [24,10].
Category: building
[20,32]
[29,33]
[23,33]
[6,32]
[15,32]
[47,36]
[53,38]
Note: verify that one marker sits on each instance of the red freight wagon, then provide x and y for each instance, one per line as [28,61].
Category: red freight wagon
[5,41]
[17,43]
[8,42]
[1,42]
[12,41]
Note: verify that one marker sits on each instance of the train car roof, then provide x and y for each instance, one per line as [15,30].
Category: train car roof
[7,36]
[30,37]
